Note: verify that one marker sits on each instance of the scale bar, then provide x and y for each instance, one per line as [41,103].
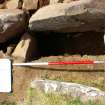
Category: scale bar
[58,63]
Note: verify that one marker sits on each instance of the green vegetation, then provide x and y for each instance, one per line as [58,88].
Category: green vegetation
[37,97]
[7,103]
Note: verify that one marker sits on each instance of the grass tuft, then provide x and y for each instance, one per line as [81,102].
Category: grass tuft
[37,97]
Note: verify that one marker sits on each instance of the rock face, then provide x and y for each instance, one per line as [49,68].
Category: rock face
[13,4]
[26,48]
[71,89]
[78,16]
[30,4]
[12,23]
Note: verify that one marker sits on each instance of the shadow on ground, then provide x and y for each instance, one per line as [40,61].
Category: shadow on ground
[88,43]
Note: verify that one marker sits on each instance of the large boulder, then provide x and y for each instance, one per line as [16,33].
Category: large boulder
[77,16]
[26,48]
[12,23]
[85,93]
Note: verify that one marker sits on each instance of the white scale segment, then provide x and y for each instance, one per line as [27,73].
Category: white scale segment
[5,75]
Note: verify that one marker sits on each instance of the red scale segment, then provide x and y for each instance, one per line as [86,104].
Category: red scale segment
[71,62]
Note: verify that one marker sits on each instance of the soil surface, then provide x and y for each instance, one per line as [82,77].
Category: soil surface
[92,75]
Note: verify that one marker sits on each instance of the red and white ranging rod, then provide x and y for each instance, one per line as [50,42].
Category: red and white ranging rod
[58,63]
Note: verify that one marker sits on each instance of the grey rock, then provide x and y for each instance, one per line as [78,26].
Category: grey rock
[12,23]
[74,90]
[77,16]
[26,48]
